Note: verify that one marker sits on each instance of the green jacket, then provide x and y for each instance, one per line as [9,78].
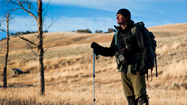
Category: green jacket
[136,43]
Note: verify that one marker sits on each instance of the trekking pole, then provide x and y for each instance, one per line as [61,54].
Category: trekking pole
[156,67]
[94,78]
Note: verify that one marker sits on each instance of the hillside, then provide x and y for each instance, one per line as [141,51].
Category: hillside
[169,30]
[68,68]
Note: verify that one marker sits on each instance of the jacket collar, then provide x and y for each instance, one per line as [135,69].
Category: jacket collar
[129,26]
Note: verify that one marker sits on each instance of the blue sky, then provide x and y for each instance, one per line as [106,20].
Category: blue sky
[98,14]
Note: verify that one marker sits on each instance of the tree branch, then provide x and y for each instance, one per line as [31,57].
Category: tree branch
[14,2]
[31,30]
[10,18]
[27,40]
[2,30]
[55,43]
[51,23]
[32,49]
[10,10]
[46,9]
[28,11]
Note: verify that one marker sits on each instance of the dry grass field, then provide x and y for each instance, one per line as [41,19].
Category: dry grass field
[69,70]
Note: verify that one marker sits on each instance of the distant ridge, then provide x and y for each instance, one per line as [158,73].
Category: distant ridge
[179,27]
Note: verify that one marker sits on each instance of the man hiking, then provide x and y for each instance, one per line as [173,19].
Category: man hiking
[128,49]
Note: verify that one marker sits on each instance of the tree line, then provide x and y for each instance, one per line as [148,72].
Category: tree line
[96,31]
[26,32]
[22,33]
[79,30]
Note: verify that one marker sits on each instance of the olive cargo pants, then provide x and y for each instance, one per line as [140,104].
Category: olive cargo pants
[134,84]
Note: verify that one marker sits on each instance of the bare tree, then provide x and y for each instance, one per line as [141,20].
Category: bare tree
[7,15]
[40,49]
[6,56]
[26,5]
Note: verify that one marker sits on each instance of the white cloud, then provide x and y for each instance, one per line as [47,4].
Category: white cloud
[27,23]
[166,22]
[74,23]
[24,23]
[135,6]
[108,5]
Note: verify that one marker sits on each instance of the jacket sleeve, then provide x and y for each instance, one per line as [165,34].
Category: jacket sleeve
[107,51]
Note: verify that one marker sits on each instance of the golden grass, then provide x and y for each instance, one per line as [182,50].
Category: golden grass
[84,96]
[69,75]
[168,48]
[175,70]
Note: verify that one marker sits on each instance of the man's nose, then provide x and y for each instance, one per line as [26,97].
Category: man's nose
[117,17]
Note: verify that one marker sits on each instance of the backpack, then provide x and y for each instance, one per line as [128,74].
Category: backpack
[148,61]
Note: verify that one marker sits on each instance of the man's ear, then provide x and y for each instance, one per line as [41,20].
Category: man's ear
[128,19]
